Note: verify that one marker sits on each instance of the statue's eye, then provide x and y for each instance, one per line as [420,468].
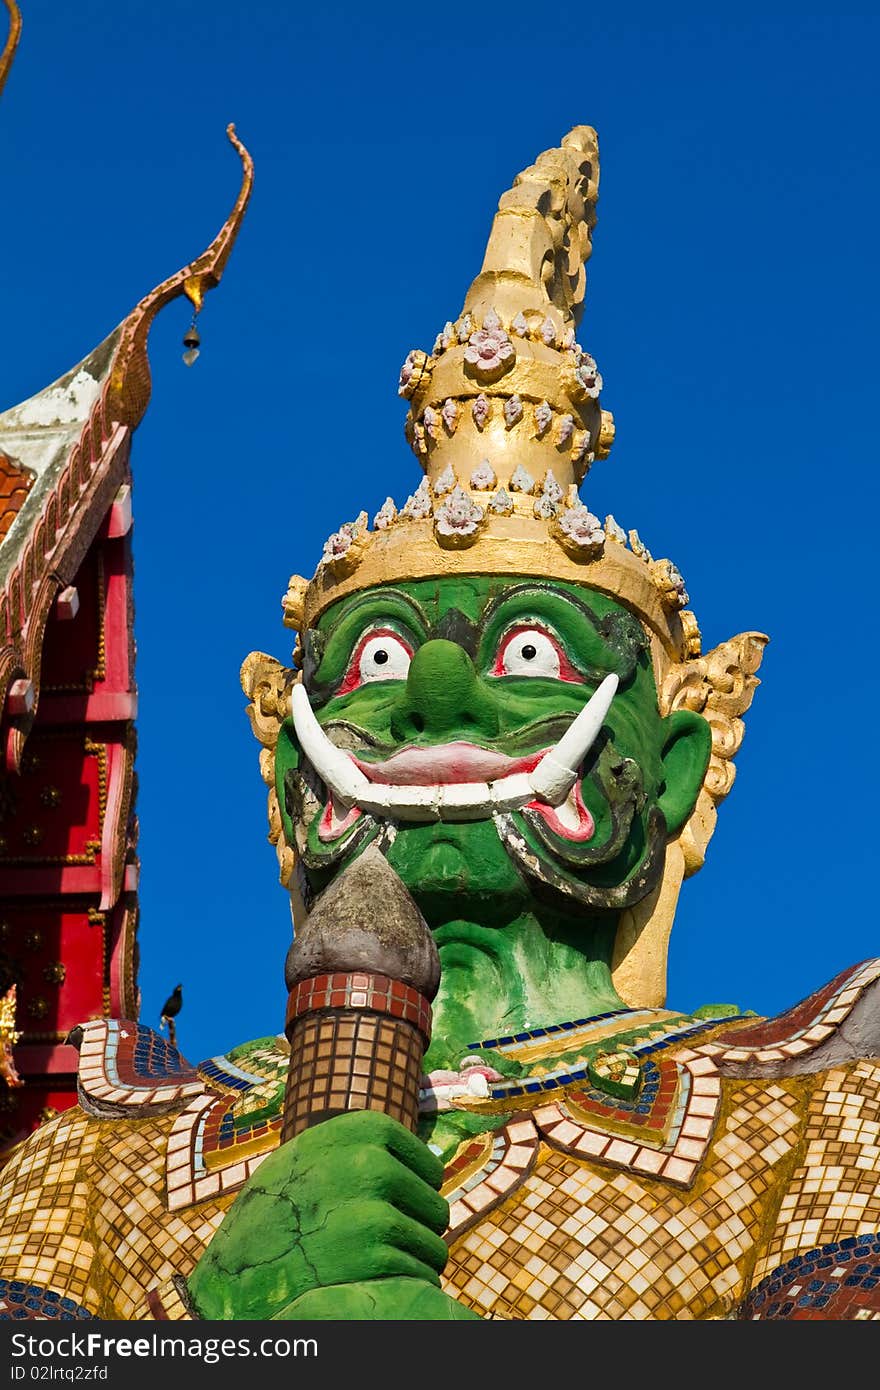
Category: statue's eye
[530,651]
[380,655]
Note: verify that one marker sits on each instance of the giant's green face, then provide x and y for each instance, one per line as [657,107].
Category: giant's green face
[445,688]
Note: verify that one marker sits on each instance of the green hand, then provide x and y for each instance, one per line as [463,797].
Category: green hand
[352,1199]
[377,1300]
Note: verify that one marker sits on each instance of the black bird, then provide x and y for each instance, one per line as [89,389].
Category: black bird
[173,1004]
[170,1009]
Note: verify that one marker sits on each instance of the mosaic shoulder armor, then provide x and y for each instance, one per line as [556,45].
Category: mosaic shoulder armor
[126,1068]
[838,1024]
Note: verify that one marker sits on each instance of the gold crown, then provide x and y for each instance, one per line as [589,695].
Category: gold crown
[505,420]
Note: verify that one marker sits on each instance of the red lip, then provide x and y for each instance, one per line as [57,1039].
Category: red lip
[446,762]
[331,826]
[459,762]
[586,826]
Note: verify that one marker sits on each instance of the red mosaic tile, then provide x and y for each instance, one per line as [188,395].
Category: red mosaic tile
[768,1032]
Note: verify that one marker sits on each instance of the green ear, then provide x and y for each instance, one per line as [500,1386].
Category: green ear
[687,745]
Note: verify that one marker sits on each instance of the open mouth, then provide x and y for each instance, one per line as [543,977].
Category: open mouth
[459,764]
[455,781]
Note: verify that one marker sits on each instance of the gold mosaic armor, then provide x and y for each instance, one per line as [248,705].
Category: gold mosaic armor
[740,1179]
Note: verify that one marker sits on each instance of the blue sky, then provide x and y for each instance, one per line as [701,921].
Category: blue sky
[731,304]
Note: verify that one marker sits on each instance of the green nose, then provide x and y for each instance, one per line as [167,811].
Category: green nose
[443,699]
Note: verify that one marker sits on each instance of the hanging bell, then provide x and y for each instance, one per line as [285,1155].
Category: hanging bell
[191,342]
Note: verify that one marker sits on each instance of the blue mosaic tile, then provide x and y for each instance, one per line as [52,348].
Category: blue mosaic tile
[36,1304]
[839,1294]
[537,1033]
[215,1073]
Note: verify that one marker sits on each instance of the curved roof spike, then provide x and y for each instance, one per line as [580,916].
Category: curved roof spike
[129,388]
[541,235]
[12,39]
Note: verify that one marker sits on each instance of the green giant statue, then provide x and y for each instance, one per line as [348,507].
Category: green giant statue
[496,757]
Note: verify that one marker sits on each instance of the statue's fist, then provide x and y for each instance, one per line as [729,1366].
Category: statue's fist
[353,1199]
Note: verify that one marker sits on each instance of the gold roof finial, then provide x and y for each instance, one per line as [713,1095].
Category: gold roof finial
[130,376]
[12,39]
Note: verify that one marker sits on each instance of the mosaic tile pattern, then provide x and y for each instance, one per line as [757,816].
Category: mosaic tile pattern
[364,991]
[224,1129]
[576,1240]
[45,1236]
[349,1060]
[219,1071]
[86,1209]
[675,1156]
[28,1301]
[840,1281]
[470,1159]
[140,1243]
[112,1214]
[617,1072]
[257,1092]
[510,1158]
[250,1111]
[557,1032]
[834,1193]
[651,1108]
[657,1038]
[801,1029]
[188,1174]
[123,1064]
[168,1302]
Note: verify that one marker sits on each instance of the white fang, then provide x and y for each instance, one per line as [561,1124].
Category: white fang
[550,781]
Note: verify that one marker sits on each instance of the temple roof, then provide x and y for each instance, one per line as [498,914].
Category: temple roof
[60,452]
[15,483]
[38,436]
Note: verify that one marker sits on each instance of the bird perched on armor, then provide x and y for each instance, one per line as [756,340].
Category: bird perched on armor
[170,1009]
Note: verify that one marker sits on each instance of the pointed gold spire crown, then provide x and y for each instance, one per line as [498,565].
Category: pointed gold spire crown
[504,417]
[508,380]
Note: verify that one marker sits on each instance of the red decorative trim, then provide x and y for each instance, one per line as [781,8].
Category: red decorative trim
[15,484]
[50,559]
[119,517]
[361,990]
[57,880]
[117,617]
[122,934]
[103,707]
[766,1032]
[46,1058]
[781,1041]
[156,1306]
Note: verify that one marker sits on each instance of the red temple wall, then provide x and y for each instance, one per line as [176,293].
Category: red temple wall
[68,869]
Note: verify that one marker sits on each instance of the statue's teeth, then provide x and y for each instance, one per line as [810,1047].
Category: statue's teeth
[551,781]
